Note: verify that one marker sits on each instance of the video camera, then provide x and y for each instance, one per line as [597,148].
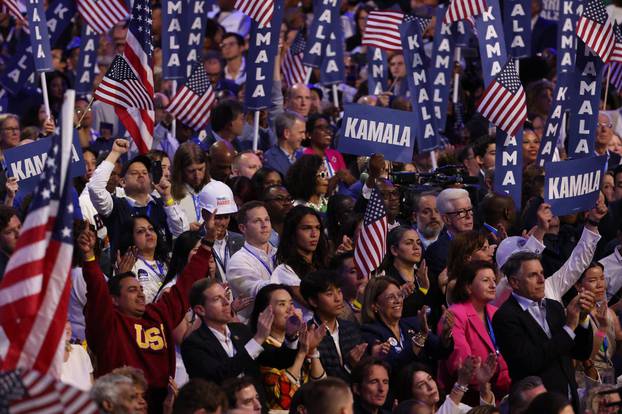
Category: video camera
[443,177]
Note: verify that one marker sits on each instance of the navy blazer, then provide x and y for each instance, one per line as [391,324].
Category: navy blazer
[398,357]
[276,159]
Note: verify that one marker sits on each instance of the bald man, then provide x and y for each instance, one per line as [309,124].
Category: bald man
[245,164]
[221,157]
[299,99]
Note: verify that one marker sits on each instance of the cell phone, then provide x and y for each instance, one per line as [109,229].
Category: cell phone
[105,130]
[156,171]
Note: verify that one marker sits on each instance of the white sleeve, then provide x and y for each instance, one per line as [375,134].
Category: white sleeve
[176,219]
[100,197]
[242,278]
[534,245]
[561,281]
[450,407]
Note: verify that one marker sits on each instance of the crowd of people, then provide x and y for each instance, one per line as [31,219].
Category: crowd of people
[208,277]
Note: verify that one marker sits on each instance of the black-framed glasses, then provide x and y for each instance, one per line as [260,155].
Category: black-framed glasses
[462,213]
[280,199]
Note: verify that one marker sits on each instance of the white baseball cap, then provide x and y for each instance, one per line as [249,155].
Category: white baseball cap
[508,247]
[217,195]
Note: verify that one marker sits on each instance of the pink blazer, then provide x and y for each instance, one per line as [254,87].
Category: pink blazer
[471,338]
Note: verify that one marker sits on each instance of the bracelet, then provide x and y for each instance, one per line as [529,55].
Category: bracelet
[315,355]
[208,243]
[592,222]
[461,388]
[322,375]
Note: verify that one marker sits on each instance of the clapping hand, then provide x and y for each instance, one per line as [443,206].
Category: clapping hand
[264,325]
[126,262]
[486,369]
[422,275]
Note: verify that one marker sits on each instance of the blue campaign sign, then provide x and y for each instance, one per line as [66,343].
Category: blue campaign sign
[573,186]
[332,69]
[264,45]
[371,129]
[441,66]
[21,67]
[377,70]
[517,18]
[569,11]
[326,18]
[86,62]
[172,38]
[26,162]
[195,16]
[552,129]
[39,36]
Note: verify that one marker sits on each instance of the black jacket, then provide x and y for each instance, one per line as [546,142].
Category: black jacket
[529,351]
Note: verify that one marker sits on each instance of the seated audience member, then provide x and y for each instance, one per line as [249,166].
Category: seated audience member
[220,348]
[245,164]
[227,125]
[121,329]
[310,170]
[399,340]
[250,268]
[426,218]
[284,369]
[403,264]
[10,226]
[370,386]
[189,176]
[302,249]
[168,218]
[266,177]
[114,393]
[550,403]
[200,397]
[353,284]
[534,335]
[329,396]
[342,346]
[242,395]
[523,392]
[290,131]
[416,382]
[472,331]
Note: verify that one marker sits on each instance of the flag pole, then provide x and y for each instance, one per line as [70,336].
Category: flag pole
[433,159]
[46,99]
[335,96]
[67,129]
[88,108]
[607,87]
[457,58]
[174,122]
[308,76]
[256,130]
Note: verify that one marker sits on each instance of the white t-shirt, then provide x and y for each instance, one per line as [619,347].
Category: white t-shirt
[77,370]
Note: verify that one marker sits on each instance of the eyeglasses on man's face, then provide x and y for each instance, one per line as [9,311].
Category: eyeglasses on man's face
[461,213]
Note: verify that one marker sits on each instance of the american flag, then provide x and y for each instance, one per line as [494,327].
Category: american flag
[596,30]
[292,68]
[259,10]
[121,88]
[371,244]
[12,7]
[421,22]
[139,54]
[463,9]
[31,392]
[192,104]
[34,293]
[616,54]
[503,103]
[383,30]
[102,15]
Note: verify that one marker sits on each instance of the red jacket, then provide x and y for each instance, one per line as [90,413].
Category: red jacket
[146,343]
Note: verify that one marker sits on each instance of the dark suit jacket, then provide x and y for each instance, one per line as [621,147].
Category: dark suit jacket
[204,357]
[235,241]
[436,259]
[349,337]
[529,351]
[433,351]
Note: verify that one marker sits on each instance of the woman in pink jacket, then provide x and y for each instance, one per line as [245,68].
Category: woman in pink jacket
[473,334]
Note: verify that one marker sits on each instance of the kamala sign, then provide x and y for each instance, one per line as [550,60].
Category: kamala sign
[368,129]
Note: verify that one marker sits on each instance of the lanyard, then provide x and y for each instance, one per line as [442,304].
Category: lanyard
[137,210]
[260,260]
[160,272]
[491,333]
[221,263]
[197,209]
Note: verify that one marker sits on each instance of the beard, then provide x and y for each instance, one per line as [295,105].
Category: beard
[431,230]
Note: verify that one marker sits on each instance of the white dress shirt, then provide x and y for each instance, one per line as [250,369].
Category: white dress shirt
[613,272]
[252,347]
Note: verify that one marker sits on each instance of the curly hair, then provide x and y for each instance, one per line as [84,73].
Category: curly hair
[301,174]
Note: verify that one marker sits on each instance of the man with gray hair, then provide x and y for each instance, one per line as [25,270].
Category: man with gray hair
[290,131]
[523,392]
[116,394]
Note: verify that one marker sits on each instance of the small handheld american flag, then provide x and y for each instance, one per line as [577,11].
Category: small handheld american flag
[371,244]
[259,10]
[595,29]
[102,15]
[12,7]
[616,54]
[292,68]
[383,30]
[121,88]
[504,103]
[192,104]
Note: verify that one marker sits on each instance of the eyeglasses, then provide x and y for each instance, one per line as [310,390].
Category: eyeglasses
[11,129]
[462,213]
[394,297]
[605,125]
[286,200]
[322,174]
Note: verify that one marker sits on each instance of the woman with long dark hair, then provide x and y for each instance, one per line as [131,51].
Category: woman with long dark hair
[149,252]
[303,248]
